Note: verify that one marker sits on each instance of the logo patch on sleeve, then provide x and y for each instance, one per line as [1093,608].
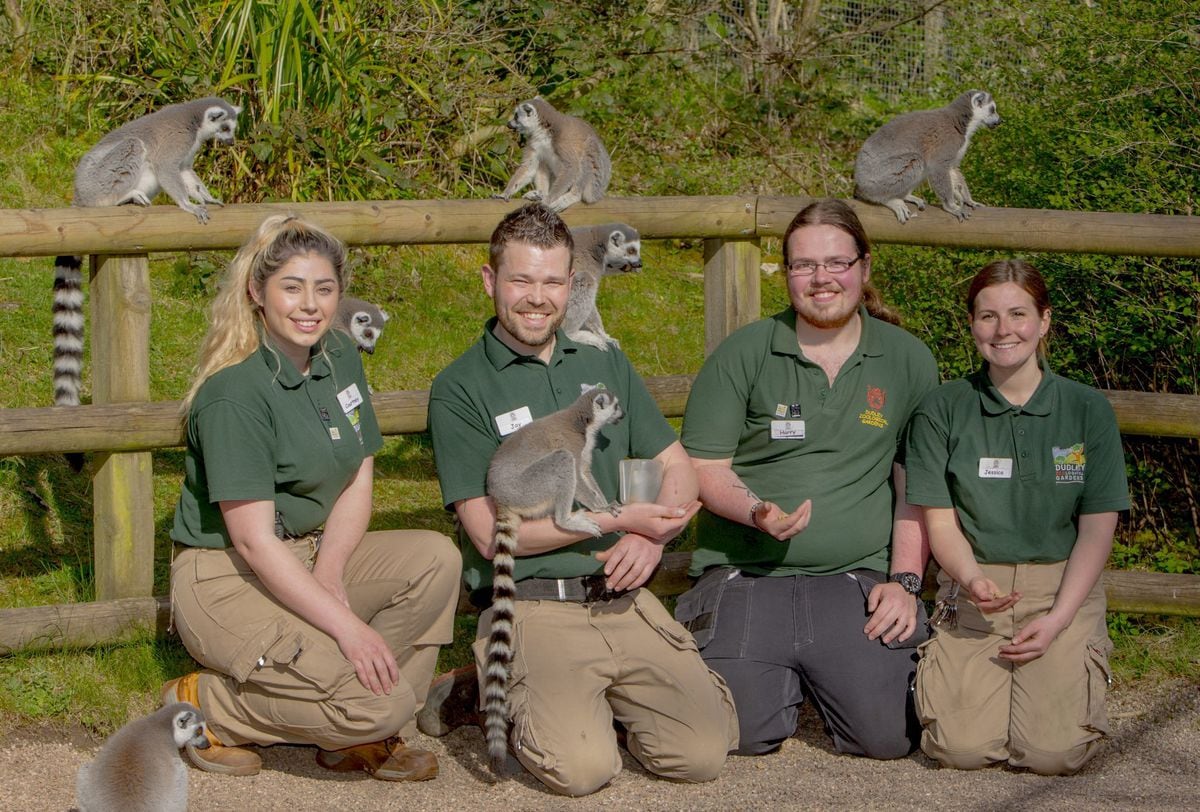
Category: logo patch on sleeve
[1069,463]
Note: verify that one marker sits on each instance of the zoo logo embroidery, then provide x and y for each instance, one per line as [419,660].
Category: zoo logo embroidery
[1069,463]
[873,414]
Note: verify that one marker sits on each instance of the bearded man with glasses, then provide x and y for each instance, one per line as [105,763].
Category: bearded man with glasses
[808,556]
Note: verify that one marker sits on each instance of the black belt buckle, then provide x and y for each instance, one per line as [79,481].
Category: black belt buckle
[596,589]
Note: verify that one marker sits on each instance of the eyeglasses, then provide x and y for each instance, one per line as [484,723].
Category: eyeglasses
[806,267]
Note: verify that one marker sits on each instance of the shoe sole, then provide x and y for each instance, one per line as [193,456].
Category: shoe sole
[340,763]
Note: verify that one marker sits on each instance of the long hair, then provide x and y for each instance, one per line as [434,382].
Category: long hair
[533,224]
[837,213]
[233,332]
[1020,273]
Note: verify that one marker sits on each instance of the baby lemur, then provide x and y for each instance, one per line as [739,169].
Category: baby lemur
[139,769]
[542,469]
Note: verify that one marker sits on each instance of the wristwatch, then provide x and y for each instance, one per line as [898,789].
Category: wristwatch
[909,580]
[754,513]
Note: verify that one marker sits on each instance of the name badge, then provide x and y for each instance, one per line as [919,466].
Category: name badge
[350,397]
[334,434]
[511,421]
[787,429]
[995,468]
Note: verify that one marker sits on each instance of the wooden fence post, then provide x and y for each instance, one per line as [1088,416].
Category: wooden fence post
[732,296]
[123,488]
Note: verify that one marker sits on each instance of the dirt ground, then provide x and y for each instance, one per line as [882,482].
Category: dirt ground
[1151,762]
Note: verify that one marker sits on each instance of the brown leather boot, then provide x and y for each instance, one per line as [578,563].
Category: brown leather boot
[216,757]
[453,701]
[389,760]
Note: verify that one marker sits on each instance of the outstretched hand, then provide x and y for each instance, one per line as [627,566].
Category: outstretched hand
[987,596]
[771,519]
[659,523]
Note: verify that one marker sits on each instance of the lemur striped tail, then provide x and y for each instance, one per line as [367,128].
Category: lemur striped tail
[68,336]
[500,641]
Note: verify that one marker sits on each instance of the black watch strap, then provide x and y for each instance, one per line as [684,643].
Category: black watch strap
[909,580]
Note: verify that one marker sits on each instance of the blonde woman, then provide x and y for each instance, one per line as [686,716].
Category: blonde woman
[311,630]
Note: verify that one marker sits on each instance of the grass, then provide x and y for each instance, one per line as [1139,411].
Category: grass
[437,304]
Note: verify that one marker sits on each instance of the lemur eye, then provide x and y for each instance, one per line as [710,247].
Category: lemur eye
[362,318]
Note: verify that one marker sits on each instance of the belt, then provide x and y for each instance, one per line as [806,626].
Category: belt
[584,589]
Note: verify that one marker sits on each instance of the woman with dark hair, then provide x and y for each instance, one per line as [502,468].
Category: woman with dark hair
[1021,477]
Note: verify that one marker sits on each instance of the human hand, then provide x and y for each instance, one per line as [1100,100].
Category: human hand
[659,523]
[893,613]
[1033,640]
[986,595]
[771,519]
[630,562]
[373,661]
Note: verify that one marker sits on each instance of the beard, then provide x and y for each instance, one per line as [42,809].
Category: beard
[827,317]
[516,327]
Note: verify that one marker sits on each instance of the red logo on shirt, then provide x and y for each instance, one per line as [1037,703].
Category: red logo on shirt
[876,397]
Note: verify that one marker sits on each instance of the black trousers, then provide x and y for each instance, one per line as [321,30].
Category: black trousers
[779,639]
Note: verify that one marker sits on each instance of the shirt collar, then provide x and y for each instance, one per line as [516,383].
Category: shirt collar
[783,336]
[285,371]
[500,355]
[1041,403]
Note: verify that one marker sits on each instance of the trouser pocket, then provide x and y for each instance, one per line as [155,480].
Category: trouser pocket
[697,609]
[1099,676]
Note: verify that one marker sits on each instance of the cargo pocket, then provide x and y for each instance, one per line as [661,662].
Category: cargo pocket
[522,732]
[926,653]
[697,608]
[274,642]
[659,619]
[1099,679]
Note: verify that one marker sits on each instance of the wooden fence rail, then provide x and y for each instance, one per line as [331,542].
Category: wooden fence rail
[150,426]
[125,429]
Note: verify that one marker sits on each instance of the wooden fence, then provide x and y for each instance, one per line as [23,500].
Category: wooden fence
[124,428]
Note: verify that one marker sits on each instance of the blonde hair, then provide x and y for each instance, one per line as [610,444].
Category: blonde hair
[233,333]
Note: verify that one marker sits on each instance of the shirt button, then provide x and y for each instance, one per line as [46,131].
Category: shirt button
[1024,454]
[1021,432]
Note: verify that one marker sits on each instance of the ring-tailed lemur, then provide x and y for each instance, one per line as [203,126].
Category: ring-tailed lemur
[599,251]
[130,165]
[362,321]
[542,469]
[139,769]
[923,145]
[563,157]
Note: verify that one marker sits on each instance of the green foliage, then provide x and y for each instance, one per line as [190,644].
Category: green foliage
[373,99]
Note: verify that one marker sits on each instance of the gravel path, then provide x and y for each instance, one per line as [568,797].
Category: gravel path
[1151,762]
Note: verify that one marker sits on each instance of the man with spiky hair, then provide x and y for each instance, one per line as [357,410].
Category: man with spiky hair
[592,646]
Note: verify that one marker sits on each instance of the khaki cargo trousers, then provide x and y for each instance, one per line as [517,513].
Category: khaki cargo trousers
[577,666]
[281,680]
[1046,715]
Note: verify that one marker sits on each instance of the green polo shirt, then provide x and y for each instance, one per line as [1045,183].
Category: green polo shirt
[759,377]
[261,430]
[477,400]
[1018,476]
